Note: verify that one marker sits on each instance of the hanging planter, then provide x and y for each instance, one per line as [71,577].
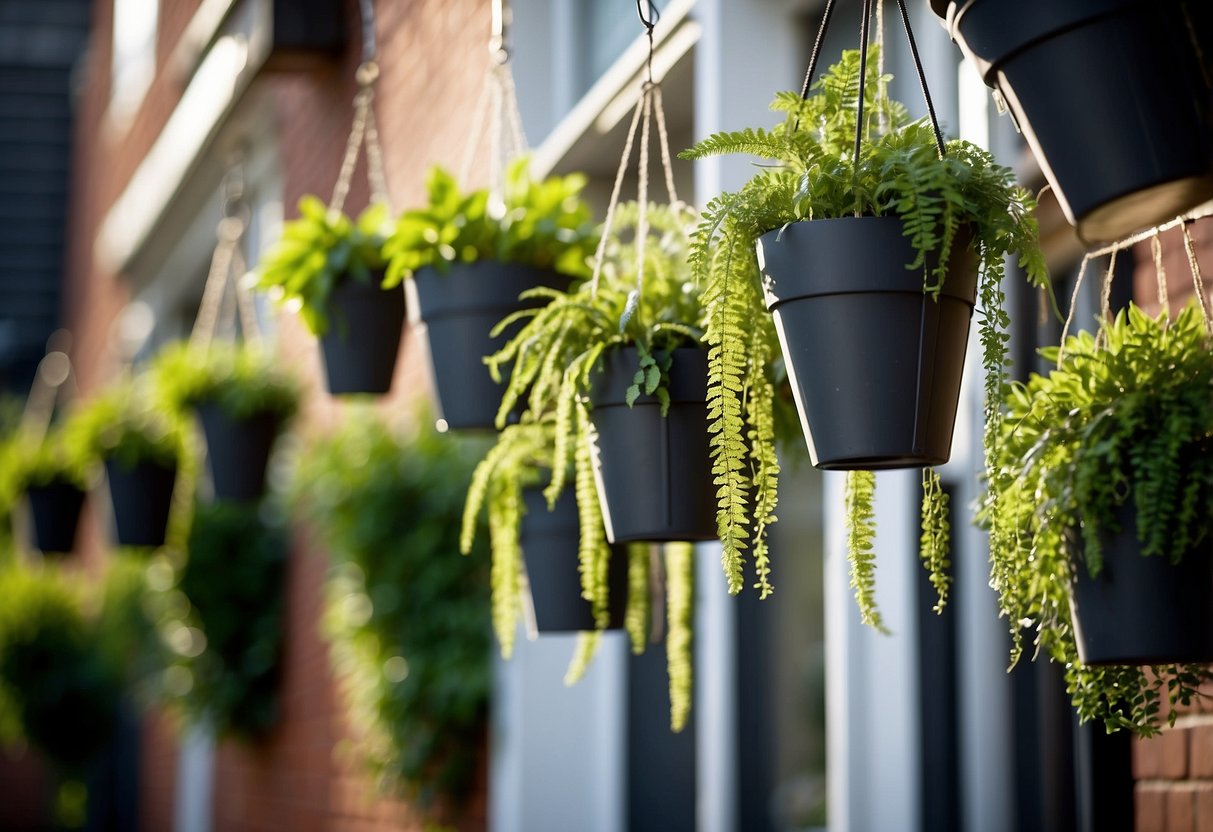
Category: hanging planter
[331,269]
[852,174]
[362,342]
[242,400]
[55,508]
[471,259]
[549,541]
[1142,610]
[142,496]
[141,443]
[875,363]
[653,468]
[1113,96]
[1098,516]
[460,310]
[238,451]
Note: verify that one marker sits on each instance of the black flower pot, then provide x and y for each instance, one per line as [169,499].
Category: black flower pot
[1142,610]
[363,338]
[238,451]
[1110,95]
[654,472]
[56,512]
[142,496]
[875,364]
[549,548]
[459,310]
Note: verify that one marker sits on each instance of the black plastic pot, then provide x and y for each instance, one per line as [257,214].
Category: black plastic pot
[363,338]
[549,548]
[654,473]
[1110,95]
[1143,610]
[875,364]
[459,310]
[142,497]
[238,451]
[55,508]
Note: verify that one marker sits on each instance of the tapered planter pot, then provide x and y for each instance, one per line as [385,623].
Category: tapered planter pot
[55,508]
[363,338]
[238,451]
[549,548]
[1111,95]
[875,364]
[1143,610]
[459,309]
[142,497]
[654,472]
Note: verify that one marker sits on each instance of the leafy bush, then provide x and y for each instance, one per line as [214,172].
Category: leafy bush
[408,616]
[221,619]
[544,224]
[316,252]
[123,423]
[1125,417]
[243,380]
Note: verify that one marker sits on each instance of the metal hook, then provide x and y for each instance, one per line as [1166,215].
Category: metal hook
[650,23]
[502,17]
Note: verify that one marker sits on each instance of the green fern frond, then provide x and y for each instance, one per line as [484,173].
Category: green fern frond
[936,536]
[680,595]
[861,538]
[636,619]
[583,656]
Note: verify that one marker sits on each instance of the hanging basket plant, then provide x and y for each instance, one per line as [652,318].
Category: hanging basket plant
[243,402]
[55,477]
[142,448]
[1098,512]
[471,256]
[1114,97]
[868,239]
[330,269]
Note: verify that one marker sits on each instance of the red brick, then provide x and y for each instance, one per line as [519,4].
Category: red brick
[1150,807]
[1164,757]
[1204,808]
[1181,810]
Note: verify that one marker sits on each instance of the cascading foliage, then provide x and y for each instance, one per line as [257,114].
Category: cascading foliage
[816,175]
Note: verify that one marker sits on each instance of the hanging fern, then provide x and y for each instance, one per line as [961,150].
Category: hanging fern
[1123,421]
[861,537]
[816,175]
[936,536]
[680,594]
[636,619]
[583,655]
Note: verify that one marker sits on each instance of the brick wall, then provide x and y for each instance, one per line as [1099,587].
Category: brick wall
[1174,771]
[433,55]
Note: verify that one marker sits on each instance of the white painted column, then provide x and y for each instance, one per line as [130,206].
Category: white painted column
[195,780]
[558,752]
[872,703]
[748,51]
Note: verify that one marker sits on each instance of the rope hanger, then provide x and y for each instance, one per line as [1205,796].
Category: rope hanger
[218,309]
[364,130]
[649,108]
[498,105]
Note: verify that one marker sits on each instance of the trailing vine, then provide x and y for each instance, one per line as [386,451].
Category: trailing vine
[406,615]
[680,609]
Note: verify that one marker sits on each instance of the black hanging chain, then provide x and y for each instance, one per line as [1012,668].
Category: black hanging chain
[864,20]
[863,39]
[922,77]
